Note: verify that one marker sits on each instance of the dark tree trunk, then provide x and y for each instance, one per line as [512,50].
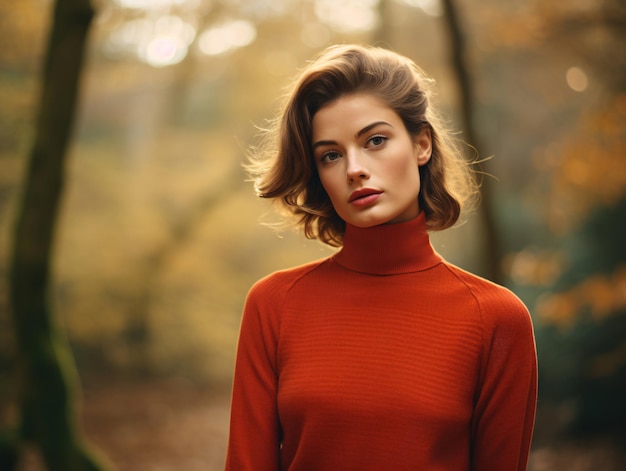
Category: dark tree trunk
[47,377]
[466,89]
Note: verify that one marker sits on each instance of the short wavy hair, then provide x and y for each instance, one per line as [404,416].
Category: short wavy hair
[283,167]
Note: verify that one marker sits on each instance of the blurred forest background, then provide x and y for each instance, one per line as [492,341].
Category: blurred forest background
[159,236]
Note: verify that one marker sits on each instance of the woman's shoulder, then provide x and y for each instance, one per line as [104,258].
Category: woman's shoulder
[495,302]
[281,281]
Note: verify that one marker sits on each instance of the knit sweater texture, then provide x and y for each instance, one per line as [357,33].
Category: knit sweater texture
[382,357]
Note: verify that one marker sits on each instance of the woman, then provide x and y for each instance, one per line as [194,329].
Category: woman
[382,356]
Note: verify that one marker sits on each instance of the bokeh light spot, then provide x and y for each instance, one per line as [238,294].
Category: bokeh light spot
[226,37]
[165,50]
[577,79]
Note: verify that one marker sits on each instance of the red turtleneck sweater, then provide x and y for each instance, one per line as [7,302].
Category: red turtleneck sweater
[382,357]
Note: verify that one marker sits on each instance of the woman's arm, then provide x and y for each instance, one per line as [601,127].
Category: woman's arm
[504,411]
[254,440]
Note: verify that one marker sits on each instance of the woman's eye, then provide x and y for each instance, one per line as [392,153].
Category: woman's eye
[377,141]
[330,156]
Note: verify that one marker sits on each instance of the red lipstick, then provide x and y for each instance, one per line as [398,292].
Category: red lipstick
[364,197]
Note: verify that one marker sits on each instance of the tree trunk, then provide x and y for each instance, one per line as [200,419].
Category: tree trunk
[47,377]
[466,92]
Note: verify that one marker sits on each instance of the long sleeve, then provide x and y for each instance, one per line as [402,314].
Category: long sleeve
[504,412]
[254,430]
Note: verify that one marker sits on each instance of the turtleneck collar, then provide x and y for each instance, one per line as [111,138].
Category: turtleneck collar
[388,249]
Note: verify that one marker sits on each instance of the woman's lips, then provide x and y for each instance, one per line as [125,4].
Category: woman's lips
[364,197]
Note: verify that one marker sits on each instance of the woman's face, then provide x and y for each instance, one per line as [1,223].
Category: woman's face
[367,161]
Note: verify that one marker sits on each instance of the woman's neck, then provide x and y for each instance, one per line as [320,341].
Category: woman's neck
[388,249]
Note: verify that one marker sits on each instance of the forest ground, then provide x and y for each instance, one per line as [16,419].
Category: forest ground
[178,425]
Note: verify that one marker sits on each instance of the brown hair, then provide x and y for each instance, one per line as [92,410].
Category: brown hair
[284,168]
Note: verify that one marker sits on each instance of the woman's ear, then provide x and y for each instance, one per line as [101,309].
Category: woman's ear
[423,146]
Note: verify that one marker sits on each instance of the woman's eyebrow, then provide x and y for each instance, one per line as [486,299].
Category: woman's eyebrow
[367,128]
[324,143]
[371,126]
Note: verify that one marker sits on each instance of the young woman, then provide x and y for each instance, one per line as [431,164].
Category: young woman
[382,356]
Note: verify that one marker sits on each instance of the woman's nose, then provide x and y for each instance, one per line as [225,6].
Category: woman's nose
[356,167]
